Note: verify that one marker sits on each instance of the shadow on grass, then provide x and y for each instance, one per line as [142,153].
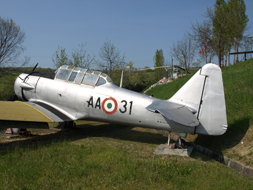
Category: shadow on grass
[235,132]
[84,131]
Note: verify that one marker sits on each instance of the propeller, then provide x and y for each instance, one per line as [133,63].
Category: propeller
[15,97]
[30,72]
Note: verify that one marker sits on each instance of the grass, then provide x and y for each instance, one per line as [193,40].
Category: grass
[168,90]
[6,86]
[105,156]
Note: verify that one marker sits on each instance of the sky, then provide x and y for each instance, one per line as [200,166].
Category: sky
[136,27]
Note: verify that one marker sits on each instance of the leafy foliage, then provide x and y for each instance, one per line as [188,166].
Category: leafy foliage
[60,57]
[196,64]
[229,23]
[224,28]
[79,58]
[132,78]
[237,12]
[159,62]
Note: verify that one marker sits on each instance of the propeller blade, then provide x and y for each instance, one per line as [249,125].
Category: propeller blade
[35,67]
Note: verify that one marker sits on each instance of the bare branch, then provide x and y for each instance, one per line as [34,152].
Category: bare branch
[11,38]
[184,51]
[111,57]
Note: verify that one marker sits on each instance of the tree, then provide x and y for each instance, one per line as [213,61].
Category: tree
[110,57]
[80,58]
[159,62]
[202,34]
[130,65]
[229,23]
[184,51]
[248,44]
[220,20]
[11,39]
[239,22]
[196,64]
[130,68]
[60,57]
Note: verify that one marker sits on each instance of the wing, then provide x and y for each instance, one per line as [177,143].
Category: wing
[31,112]
[177,113]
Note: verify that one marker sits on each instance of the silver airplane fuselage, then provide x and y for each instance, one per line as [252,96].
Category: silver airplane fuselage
[80,94]
[86,102]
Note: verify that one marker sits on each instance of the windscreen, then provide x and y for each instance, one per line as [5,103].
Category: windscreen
[63,74]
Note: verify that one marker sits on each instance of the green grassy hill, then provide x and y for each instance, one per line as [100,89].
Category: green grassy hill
[238,87]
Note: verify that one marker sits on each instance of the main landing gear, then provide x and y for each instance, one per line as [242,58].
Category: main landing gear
[180,143]
[67,125]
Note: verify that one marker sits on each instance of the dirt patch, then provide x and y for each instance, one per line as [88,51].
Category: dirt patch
[35,133]
[242,152]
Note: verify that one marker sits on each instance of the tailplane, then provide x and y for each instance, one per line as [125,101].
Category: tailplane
[203,95]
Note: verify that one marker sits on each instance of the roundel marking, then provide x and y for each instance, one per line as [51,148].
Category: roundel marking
[109,105]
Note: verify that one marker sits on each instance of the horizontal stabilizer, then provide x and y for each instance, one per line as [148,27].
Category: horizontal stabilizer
[177,113]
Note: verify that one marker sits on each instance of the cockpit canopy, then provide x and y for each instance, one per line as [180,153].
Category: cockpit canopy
[82,76]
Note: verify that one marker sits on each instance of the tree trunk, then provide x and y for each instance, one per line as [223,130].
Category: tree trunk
[186,70]
[219,51]
[225,62]
[237,47]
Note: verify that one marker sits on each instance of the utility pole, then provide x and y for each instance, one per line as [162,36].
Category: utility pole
[172,68]
[251,42]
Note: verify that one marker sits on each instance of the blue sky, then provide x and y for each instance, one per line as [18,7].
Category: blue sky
[136,27]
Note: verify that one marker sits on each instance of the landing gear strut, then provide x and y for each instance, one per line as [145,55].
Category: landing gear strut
[169,138]
[67,125]
[180,143]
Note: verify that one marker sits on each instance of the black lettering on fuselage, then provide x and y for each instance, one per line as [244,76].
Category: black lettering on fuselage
[90,102]
[98,104]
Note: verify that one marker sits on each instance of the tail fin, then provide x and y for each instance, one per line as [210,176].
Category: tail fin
[203,94]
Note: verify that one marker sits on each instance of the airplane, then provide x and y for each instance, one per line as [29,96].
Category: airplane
[74,93]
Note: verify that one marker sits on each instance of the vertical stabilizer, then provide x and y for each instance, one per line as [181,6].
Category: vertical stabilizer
[203,94]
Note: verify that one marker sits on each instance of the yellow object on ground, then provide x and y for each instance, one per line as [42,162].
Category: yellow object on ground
[20,111]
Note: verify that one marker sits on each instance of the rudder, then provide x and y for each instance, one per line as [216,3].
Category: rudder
[203,94]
